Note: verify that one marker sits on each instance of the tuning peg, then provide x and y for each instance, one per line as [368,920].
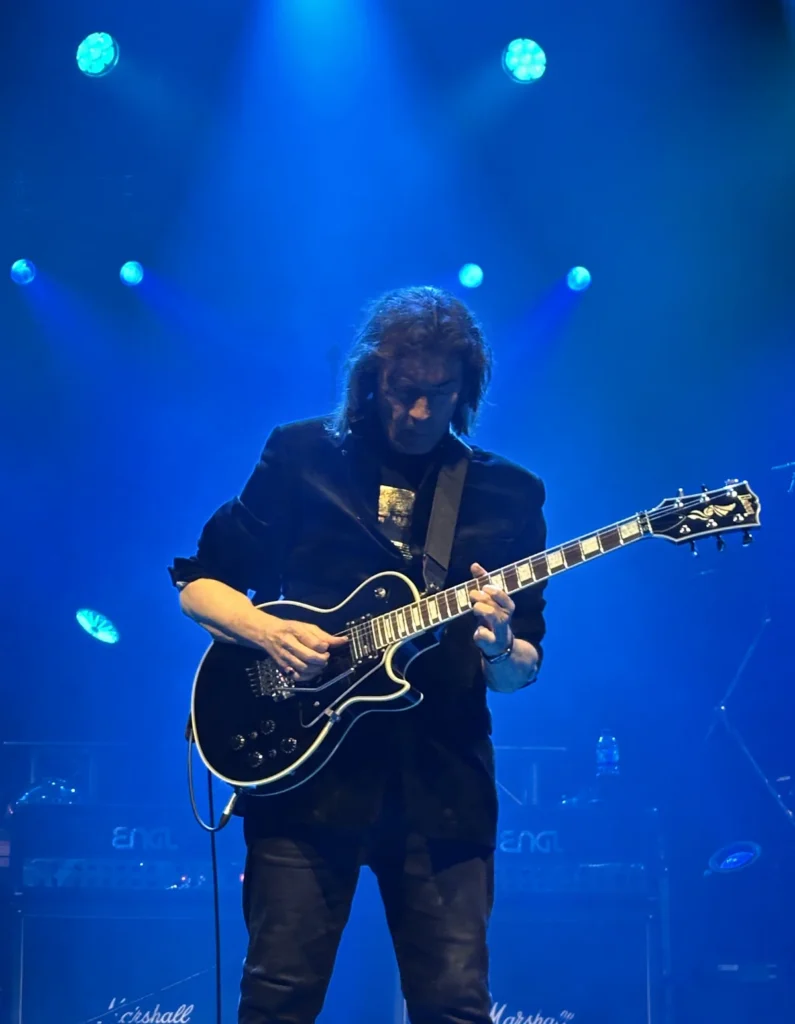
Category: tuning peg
[732,481]
[748,538]
[705,490]
[721,542]
[693,548]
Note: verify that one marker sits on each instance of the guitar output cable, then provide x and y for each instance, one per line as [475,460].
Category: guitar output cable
[213,830]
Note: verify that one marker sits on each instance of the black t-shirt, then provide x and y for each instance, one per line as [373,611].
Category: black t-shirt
[402,519]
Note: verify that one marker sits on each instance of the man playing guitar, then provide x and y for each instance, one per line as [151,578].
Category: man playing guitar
[331,503]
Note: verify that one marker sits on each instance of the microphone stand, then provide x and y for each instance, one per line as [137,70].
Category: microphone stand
[721,716]
[788,465]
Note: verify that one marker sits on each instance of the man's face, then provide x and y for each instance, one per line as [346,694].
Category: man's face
[416,400]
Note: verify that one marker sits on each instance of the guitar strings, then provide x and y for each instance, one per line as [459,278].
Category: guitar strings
[359,630]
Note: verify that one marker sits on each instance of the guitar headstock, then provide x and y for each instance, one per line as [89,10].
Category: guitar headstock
[688,517]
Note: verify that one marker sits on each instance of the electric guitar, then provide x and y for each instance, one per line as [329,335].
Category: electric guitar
[256,728]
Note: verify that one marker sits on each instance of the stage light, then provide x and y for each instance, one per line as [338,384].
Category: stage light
[22,272]
[98,54]
[470,275]
[579,279]
[734,857]
[524,61]
[98,626]
[132,273]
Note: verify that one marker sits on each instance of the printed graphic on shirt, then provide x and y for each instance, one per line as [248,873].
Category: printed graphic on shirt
[395,506]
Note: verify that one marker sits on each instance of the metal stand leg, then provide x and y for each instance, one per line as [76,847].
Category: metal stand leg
[17,964]
[722,716]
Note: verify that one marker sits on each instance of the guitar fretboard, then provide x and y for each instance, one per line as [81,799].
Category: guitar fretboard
[430,612]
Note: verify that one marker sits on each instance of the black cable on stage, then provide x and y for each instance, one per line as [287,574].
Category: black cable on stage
[213,829]
[216,907]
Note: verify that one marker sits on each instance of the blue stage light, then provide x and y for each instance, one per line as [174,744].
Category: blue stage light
[98,54]
[578,279]
[22,272]
[132,273]
[524,61]
[734,857]
[470,275]
[98,626]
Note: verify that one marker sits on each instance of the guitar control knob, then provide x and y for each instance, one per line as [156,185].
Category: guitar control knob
[272,753]
[253,735]
[289,745]
[237,742]
[255,759]
[267,727]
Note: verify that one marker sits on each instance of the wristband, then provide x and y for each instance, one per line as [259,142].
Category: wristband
[495,659]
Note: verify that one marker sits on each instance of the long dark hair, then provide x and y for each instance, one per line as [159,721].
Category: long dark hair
[414,321]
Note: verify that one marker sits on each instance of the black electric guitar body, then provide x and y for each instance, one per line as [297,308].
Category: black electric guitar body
[252,723]
[255,728]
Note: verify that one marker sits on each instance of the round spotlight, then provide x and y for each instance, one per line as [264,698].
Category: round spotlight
[98,54]
[578,279]
[470,275]
[98,626]
[734,857]
[132,273]
[524,61]
[22,272]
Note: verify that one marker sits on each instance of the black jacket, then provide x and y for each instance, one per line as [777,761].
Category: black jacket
[305,527]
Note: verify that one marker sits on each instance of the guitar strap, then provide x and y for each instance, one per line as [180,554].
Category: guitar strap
[441,526]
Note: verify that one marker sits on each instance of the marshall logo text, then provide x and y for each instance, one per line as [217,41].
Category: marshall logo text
[181,1015]
[498,1016]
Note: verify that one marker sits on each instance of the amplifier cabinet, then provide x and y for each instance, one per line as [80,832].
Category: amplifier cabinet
[113,916]
[579,929]
[587,964]
[110,970]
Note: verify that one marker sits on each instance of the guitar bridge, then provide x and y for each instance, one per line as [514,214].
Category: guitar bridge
[267,680]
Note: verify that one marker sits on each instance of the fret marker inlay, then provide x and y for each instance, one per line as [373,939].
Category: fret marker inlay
[496,580]
[555,560]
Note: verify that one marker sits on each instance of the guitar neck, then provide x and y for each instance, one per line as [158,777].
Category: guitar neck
[430,612]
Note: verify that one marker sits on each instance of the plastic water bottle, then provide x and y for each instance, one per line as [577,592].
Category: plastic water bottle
[607,755]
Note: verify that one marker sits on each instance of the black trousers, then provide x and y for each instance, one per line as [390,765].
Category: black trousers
[297,895]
